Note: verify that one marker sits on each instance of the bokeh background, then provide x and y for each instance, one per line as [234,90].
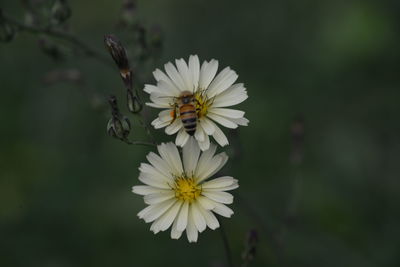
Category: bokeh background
[65,186]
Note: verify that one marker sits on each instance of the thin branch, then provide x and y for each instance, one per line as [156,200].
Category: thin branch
[227,248]
[89,51]
[142,143]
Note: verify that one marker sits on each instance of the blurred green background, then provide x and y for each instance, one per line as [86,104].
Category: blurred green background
[65,186]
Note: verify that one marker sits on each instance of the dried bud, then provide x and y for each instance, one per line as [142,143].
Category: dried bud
[60,12]
[134,104]
[117,52]
[7,32]
[118,126]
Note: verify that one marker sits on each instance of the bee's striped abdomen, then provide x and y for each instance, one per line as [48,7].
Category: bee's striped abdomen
[189,117]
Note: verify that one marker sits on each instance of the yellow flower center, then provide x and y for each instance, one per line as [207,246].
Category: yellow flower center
[202,103]
[186,189]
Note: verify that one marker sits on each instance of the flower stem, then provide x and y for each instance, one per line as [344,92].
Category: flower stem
[227,248]
[142,143]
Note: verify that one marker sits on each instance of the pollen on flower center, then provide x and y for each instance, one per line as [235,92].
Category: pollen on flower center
[202,103]
[186,189]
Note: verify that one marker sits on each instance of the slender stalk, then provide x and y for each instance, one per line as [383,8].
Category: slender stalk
[89,51]
[142,143]
[227,248]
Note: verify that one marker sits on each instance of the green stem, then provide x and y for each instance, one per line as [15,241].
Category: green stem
[142,143]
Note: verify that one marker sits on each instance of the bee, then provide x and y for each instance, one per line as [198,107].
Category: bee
[186,106]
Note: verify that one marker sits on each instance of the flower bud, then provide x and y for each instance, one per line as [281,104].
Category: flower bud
[134,104]
[118,53]
[119,125]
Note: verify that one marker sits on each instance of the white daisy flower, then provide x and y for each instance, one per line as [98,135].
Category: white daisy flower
[195,100]
[178,193]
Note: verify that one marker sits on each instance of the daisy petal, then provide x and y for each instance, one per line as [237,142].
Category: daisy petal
[159,164]
[175,234]
[205,144]
[174,76]
[210,218]
[205,203]
[157,210]
[241,121]
[148,88]
[219,136]
[160,197]
[224,158]
[207,125]
[191,153]
[222,82]
[213,165]
[198,218]
[191,231]
[149,180]
[161,76]
[222,210]
[170,154]
[194,69]
[146,190]
[227,112]
[199,134]
[165,221]
[207,73]
[218,182]
[183,217]
[182,137]
[220,197]
[232,96]
[175,126]
[222,120]
[183,70]
[204,160]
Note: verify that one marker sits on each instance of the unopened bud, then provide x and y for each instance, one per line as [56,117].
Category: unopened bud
[60,11]
[119,125]
[134,104]
[7,32]
[118,53]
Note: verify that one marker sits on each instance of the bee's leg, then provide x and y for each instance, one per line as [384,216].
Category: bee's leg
[174,113]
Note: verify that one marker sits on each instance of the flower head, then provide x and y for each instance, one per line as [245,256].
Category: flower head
[178,193]
[195,100]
